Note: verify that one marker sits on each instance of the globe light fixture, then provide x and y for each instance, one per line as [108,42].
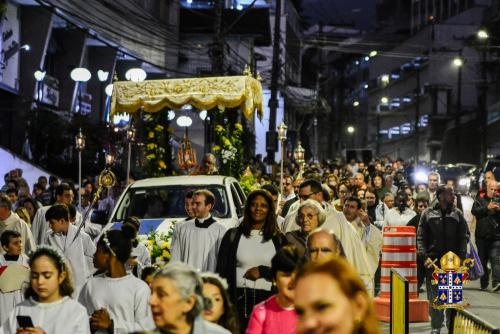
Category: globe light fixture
[350,129]
[373,53]
[102,75]
[109,90]
[185,121]
[39,75]
[482,34]
[355,104]
[171,115]
[80,74]
[458,62]
[385,78]
[136,75]
[384,100]
[203,115]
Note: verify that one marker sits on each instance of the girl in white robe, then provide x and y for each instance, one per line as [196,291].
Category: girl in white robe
[12,245]
[47,303]
[117,302]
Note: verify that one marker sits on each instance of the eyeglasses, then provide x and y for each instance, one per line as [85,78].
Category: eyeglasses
[304,197]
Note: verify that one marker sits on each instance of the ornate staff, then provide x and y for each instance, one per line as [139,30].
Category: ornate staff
[106,179]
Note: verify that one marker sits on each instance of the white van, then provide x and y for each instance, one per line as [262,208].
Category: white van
[157,202]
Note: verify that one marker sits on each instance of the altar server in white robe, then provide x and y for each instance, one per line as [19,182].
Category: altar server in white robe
[116,302]
[13,257]
[9,220]
[354,249]
[77,247]
[197,241]
[40,226]
[48,302]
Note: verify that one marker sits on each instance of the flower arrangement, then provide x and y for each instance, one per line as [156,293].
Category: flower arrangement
[248,181]
[158,245]
[155,141]
[229,149]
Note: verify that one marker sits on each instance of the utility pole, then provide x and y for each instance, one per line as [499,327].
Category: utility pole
[417,114]
[483,108]
[271,137]
[218,44]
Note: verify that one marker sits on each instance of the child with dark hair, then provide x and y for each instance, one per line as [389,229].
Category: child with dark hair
[48,303]
[117,302]
[147,274]
[77,247]
[277,314]
[139,256]
[13,258]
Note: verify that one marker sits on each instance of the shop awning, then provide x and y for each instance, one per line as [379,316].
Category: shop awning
[201,93]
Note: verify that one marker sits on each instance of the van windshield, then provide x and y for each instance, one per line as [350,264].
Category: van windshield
[167,202]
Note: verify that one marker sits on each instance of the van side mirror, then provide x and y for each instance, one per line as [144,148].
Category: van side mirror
[99,217]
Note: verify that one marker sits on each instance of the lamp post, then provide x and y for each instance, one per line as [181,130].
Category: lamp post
[350,131]
[130,140]
[483,37]
[298,154]
[79,75]
[282,138]
[458,62]
[39,76]
[80,146]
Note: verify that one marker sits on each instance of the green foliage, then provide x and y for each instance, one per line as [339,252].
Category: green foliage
[229,149]
[156,138]
[158,245]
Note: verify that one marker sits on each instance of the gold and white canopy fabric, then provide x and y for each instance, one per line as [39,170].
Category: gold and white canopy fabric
[202,93]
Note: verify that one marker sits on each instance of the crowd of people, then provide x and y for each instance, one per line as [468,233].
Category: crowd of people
[306,260]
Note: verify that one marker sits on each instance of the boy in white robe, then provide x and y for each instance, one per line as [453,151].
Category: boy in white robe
[77,249]
[39,226]
[12,245]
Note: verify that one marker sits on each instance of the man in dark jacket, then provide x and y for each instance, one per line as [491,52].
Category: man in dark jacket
[442,228]
[486,209]
[421,204]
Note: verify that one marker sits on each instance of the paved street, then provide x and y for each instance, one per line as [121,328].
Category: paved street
[483,304]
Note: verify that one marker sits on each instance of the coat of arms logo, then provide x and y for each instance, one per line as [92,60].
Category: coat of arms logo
[450,279]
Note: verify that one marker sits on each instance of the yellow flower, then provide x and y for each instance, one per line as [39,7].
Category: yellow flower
[150,156]
[226,142]
[159,128]
[162,164]
[166,245]
[238,127]
[151,146]
[216,148]
[219,128]
[151,242]
[151,134]
[165,254]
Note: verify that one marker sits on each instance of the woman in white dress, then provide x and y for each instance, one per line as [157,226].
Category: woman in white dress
[48,305]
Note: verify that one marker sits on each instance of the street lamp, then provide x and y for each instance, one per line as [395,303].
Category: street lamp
[79,75]
[109,158]
[482,34]
[385,78]
[39,76]
[355,104]
[384,100]
[350,131]
[299,156]
[282,138]
[458,62]
[130,140]
[373,53]
[80,146]
[136,75]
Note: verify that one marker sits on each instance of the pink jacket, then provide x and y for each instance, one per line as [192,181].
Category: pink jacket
[270,318]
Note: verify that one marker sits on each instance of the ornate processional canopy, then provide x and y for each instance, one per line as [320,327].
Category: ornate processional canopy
[202,93]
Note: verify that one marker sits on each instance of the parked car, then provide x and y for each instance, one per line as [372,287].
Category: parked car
[158,202]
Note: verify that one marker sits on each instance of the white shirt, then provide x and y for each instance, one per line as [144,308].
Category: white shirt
[395,218]
[14,223]
[126,299]
[60,317]
[197,246]
[252,252]
[39,226]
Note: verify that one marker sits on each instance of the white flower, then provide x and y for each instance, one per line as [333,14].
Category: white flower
[160,243]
